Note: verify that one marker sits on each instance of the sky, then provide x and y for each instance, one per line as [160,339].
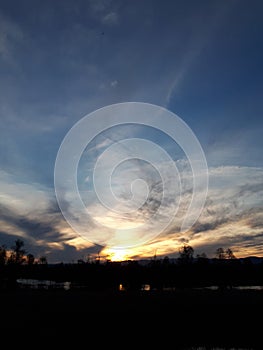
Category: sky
[61,61]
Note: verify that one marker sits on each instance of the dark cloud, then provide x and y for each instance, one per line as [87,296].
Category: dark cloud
[202,227]
[69,253]
[239,243]
[256,221]
[44,227]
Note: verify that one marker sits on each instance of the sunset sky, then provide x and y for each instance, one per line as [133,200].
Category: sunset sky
[201,60]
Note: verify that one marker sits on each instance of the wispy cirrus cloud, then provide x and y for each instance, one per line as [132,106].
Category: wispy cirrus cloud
[105,11]
[29,212]
[201,34]
[232,217]
[11,37]
[233,207]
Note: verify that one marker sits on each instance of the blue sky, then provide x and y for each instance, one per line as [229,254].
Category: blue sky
[60,60]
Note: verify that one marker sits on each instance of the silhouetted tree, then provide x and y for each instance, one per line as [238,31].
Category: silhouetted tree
[166,260]
[17,253]
[98,258]
[225,254]
[229,254]
[186,254]
[30,259]
[43,260]
[3,255]
[80,261]
[11,259]
[220,253]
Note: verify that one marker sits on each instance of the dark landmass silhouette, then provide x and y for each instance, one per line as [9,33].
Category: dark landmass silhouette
[185,303]
[157,274]
[178,306]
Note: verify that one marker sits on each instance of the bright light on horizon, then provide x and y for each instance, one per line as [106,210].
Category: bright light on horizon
[117,254]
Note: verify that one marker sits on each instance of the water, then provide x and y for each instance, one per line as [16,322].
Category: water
[49,284]
[42,284]
[234,287]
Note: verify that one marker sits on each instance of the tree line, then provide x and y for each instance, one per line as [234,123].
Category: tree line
[188,270]
[17,255]
[186,254]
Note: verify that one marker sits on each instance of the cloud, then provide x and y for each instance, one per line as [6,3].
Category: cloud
[233,196]
[99,6]
[232,217]
[233,212]
[104,11]
[203,28]
[31,213]
[114,83]
[11,36]
[234,144]
[110,18]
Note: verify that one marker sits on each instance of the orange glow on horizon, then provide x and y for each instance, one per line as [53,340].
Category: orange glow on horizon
[117,254]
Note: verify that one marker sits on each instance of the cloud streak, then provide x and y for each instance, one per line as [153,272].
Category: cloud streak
[201,35]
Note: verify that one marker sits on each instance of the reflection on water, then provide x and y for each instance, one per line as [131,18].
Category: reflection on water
[42,284]
[49,284]
[249,287]
[121,287]
[146,287]
[215,348]
[233,287]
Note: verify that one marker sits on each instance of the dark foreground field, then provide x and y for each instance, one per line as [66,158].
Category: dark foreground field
[182,318]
